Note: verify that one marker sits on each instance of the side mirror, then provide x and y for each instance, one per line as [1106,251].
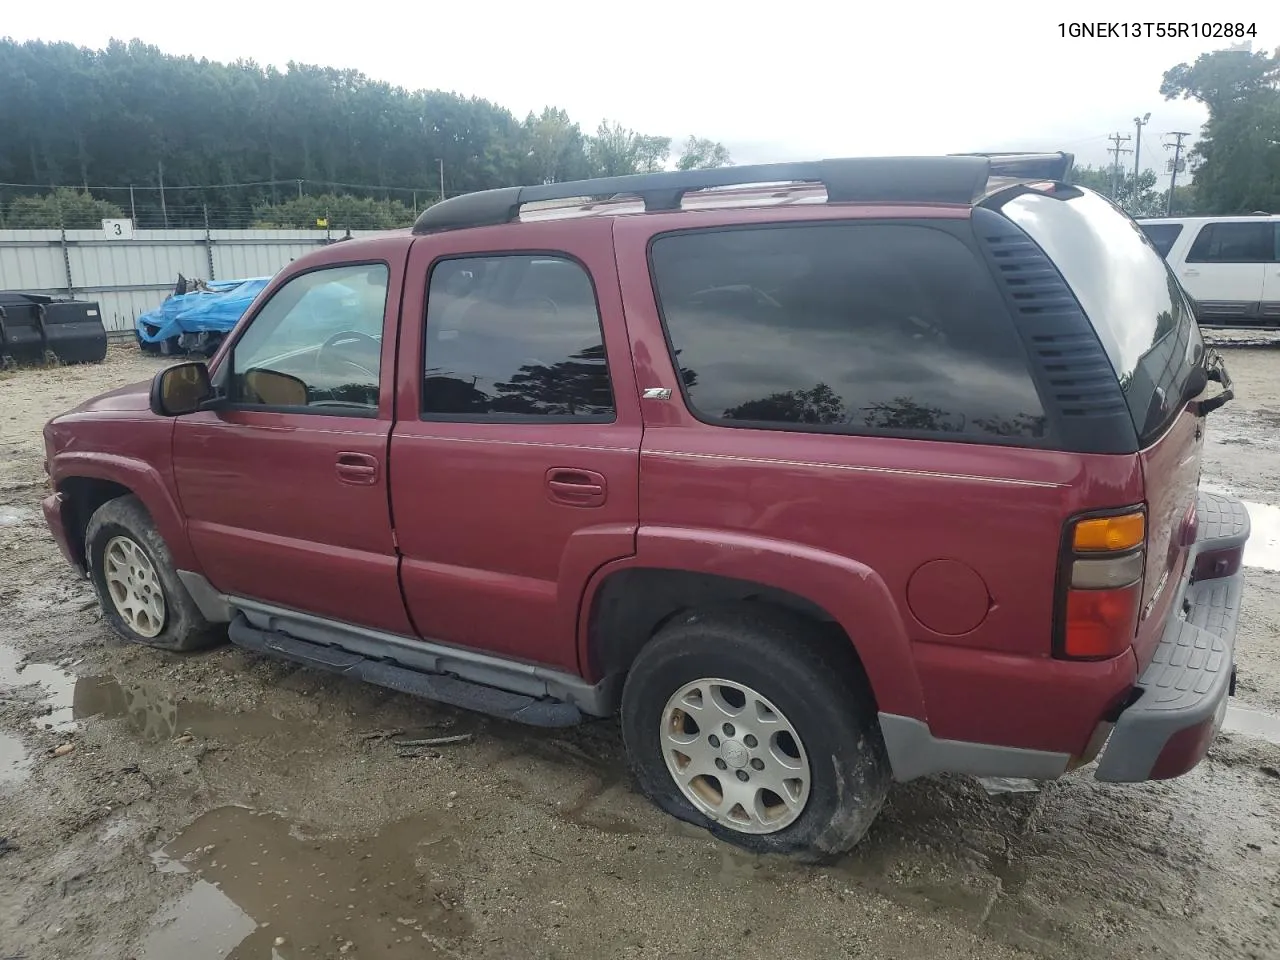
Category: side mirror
[275,389]
[180,389]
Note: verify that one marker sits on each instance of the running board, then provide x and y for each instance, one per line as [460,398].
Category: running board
[443,688]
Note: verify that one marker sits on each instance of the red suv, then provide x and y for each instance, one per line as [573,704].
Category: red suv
[821,475]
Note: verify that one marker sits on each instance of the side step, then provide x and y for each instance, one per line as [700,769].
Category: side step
[386,673]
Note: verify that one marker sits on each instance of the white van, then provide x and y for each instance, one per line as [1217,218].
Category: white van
[1230,266]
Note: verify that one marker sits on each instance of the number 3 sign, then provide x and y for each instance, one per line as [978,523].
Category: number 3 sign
[118,229]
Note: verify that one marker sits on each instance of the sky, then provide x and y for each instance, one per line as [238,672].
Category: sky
[771,82]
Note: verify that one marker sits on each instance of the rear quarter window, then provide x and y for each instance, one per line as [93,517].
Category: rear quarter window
[1162,235]
[1131,297]
[889,329]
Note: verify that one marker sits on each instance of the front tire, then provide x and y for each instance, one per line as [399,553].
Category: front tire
[750,723]
[133,575]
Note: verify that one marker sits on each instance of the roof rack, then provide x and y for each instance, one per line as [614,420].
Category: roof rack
[1028,166]
[958,179]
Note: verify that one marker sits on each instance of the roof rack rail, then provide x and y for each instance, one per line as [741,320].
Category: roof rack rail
[959,179]
[1028,166]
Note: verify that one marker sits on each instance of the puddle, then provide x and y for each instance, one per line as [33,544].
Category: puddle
[155,715]
[13,759]
[1252,723]
[1263,549]
[149,711]
[11,516]
[266,889]
[58,686]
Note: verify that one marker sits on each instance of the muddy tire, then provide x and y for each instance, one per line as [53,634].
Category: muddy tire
[141,596]
[749,722]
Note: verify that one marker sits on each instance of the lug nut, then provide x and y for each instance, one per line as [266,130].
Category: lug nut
[742,775]
[757,764]
[721,765]
[750,741]
[713,740]
[728,729]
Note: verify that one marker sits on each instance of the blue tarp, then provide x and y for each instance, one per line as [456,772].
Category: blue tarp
[217,311]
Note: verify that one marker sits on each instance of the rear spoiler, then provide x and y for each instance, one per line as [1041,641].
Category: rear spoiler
[1028,166]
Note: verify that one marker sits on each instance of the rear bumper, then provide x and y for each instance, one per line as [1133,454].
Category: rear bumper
[1182,694]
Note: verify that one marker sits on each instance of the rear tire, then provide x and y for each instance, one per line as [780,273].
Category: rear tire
[133,575]
[784,754]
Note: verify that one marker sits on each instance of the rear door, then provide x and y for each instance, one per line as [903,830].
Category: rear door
[516,448]
[285,492]
[1224,268]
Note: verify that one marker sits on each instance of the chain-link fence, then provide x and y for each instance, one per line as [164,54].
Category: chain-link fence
[273,204]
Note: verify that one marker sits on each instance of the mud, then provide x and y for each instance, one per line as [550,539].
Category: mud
[225,806]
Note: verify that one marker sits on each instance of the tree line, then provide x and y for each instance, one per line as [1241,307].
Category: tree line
[76,119]
[130,114]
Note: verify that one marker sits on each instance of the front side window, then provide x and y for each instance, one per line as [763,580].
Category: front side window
[887,329]
[514,337]
[1234,243]
[316,344]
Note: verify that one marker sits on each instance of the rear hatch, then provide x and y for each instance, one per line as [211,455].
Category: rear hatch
[1146,325]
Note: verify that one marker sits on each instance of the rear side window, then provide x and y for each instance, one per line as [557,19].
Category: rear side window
[1162,235]
[1234,243]
[1128,293]
[862,328]
[514,337]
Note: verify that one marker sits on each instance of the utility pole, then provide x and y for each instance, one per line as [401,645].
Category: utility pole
[1139,123]
[1115,150]
[299,189]
[1177,158]
[441,162]
[133,210]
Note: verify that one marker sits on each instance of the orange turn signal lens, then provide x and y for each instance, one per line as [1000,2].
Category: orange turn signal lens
[1122,532]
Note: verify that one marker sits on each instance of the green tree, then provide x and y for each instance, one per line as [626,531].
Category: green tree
[1239,148]
[341,212]
[702,154]
[64,207]
[616,151]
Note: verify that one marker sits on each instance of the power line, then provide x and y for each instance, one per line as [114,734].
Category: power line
[291,182]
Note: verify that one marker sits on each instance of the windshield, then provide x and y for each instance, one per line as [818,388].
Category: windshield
[1132,298]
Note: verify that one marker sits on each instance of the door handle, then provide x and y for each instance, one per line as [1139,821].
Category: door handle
[357,468]
[576,488]
[1191,273]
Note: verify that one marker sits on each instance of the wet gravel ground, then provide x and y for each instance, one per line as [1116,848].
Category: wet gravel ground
[224,806]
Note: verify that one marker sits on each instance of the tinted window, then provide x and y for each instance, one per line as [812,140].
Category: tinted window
[1162,235]
[864,328]
[323,331]
[1234,243]
[1128,292]
[515,336]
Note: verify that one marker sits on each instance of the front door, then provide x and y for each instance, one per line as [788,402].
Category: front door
[517,446]
[285,490]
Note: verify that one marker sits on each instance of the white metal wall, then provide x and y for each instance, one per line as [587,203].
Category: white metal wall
[130,277]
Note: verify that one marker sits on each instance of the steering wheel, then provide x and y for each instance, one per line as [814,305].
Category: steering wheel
[348,336]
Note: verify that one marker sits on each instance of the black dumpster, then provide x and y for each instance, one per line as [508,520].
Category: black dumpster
[21,333]
[31,324]
[73,330]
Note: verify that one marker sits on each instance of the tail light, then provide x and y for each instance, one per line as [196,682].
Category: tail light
[1103,559]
